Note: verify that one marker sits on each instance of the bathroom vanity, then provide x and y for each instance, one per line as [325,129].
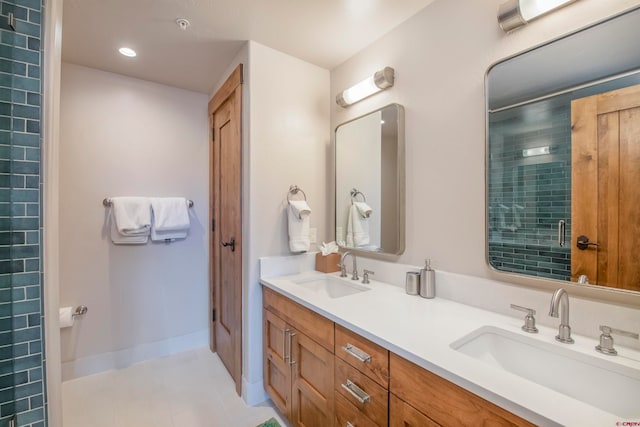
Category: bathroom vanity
[370,385]
[338,352]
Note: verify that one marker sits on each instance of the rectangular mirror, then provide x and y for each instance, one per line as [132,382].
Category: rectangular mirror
[369,165]
[563,158]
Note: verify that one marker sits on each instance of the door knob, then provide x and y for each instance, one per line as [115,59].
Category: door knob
[583,243]
[231,243]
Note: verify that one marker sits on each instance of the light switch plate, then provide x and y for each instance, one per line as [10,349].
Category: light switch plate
[313,235]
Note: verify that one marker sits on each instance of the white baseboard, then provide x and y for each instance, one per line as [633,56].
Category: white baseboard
[253,393]
[122,358]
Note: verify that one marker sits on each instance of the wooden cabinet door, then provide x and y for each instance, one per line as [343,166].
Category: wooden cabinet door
[312,383]
[276,369]
[401,414]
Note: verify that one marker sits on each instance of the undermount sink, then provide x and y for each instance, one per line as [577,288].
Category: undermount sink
[606,385]
[331,287]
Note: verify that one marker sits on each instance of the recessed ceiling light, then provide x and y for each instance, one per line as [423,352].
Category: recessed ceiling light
[183,23]
[127,51]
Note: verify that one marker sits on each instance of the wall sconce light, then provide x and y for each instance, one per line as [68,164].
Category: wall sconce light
[538,151]
[381,80]
[515,13]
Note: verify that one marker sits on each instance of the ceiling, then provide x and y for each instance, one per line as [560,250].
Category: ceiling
[322,32]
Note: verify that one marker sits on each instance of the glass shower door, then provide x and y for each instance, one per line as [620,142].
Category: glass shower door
[7,350]
[8,237]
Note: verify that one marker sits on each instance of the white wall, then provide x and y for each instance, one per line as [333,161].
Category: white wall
[440,57]
[289,144]
[122,136]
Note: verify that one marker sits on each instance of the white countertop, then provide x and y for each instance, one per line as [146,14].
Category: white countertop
[421,330]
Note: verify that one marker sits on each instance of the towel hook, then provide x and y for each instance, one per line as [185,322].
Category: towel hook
[293,190]
[354,194]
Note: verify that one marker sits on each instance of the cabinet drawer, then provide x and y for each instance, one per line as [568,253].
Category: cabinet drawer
[401,414]
[352,348]
[316,327]
[443,401]
[348,380]
[348,415]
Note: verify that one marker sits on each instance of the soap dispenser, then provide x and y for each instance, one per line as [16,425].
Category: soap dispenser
[427,281]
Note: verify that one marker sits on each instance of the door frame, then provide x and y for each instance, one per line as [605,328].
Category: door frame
[52,64]
[231,87]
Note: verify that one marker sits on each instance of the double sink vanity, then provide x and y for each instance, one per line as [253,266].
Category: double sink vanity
[339,352]
[349,353]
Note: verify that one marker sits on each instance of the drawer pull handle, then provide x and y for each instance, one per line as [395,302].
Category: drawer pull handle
[360,395]
[349,424]
[291,361]
[357,353]
[284,344]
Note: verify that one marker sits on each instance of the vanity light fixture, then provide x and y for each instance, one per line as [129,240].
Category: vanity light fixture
[538,151]
[515,13]
[127,51]
[380,81]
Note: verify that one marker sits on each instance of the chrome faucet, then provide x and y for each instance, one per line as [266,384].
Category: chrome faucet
[560,303]
[343,267]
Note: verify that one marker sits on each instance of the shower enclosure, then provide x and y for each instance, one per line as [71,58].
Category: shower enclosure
[22,396]
[529,183]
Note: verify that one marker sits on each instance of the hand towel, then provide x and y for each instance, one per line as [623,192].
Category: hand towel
[357,228]
[121,239]
[300,208]
[298,225]
[170,213]
[170,218]
[167,236]
[132,215]
[363,208]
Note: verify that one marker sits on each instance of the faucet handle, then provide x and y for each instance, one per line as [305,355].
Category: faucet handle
[529,320]
[606,340]
[365,276]
[343,270]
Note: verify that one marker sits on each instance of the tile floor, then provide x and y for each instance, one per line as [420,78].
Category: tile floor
[190,389]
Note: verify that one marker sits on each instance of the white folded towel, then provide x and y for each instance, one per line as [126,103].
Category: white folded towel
[298,212]
[300,208]
[170,213]
[364,209]
[167,236]
[357,228]
[170,218]
[121,239]
[132,215]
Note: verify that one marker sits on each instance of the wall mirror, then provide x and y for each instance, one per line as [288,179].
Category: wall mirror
[369,166]
[563,158]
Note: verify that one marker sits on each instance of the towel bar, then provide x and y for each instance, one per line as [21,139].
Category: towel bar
[107,202]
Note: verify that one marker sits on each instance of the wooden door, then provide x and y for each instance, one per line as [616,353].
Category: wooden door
[312,383]
[225,111]
[276,370]
[606,187]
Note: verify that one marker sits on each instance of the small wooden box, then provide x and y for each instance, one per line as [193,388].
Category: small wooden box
[327,264]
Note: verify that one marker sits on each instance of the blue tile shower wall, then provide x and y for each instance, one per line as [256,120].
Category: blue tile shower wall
[528,196]
[21,306]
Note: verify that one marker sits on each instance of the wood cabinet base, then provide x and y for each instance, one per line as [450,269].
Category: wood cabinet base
[442,401]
